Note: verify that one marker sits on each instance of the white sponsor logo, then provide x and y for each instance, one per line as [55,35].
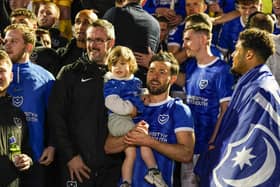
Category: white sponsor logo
[85,80]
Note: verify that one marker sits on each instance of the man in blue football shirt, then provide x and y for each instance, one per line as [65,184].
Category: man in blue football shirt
[208,84]
[170,124]
[30,90]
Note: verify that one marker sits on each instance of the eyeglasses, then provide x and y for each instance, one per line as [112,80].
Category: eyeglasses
[97,41]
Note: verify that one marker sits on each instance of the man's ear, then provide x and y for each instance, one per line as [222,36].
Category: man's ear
[28,48]
[250,54]
[173,79]
[111,43]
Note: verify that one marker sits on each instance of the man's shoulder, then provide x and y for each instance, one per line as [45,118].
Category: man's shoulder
[111,13]
[71,45]
[77,66]
[39,71]
[232,27]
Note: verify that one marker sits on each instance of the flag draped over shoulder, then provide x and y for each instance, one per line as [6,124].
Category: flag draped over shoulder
[247,147]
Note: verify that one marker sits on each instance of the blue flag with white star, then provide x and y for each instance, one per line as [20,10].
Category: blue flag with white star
[247,147]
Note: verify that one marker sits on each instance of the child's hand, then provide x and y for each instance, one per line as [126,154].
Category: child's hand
[146,99]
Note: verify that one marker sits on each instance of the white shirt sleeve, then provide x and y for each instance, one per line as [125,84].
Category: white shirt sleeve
[118,105]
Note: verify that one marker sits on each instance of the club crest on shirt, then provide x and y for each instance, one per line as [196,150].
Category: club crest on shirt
[203,84]
[18,122]
[163,118]
[17,101]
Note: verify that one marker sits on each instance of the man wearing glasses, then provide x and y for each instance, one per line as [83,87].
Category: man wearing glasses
[78,115]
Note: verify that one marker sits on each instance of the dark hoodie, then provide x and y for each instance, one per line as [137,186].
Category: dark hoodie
[78,115]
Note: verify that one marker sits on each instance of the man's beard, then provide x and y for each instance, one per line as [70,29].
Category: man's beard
[158,90]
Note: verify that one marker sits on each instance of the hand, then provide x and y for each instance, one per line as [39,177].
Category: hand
[78,169]
[47,156]
[139,135]
[22,162]
[144,59]
[146,99]
[175,21]
[162,11]
[166,12]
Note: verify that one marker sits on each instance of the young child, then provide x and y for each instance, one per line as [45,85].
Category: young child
[122,97]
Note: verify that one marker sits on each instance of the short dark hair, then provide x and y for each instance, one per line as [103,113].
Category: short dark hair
[247,2]
[261,20]
[199,22]
[259,41]
[167,57]
[160,18]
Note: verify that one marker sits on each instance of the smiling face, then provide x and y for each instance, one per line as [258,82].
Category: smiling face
[192,42]
[276,7]
[98,44]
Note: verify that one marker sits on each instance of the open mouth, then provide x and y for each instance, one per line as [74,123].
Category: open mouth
[155,83]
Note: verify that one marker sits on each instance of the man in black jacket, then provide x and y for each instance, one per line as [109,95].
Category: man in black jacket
[13,130]
[77,46]
[48,18]
[79,118]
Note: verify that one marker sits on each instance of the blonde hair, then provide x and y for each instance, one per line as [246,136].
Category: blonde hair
[106,25]
[122,53]
[4,58]
[28,33]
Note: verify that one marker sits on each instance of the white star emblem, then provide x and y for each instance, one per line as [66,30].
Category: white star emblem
[243,157]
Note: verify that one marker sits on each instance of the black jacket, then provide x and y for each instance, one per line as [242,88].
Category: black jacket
[70,53]
[100,5]
[134,27]
[78,116]
[12,122]
[47,58]
[57,40]
[4,15]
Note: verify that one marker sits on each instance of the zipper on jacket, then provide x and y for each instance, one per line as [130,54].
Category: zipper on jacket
[18,73]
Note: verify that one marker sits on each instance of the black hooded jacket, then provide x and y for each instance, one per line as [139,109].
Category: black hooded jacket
[78,115]
[12,123]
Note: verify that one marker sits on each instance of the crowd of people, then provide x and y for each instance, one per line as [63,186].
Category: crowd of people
[139,93]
